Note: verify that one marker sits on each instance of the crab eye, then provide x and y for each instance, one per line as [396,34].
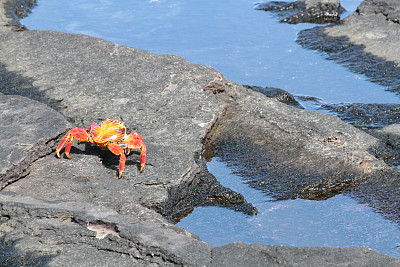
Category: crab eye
[122,145]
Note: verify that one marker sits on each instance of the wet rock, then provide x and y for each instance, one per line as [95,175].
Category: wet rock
[13,10]
[393,134]
[278,94]
[288,152]
[366,42]
[366,116]
[305,11]
[380,189]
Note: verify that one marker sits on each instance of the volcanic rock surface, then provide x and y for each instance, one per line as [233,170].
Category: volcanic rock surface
[55,211]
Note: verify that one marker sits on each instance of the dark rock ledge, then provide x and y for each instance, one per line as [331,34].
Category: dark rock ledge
[366,42]
[304,11]
[59,212]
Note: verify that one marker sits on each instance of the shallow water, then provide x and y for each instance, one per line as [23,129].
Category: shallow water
[339,221]
[249,47]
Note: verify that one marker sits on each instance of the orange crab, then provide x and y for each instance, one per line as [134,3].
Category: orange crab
[110,134]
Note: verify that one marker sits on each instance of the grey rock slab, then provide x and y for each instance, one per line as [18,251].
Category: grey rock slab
[90,176]
[240,254]
[90,80]
[78,233]
[28,130]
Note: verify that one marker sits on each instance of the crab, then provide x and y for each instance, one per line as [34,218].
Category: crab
[110,134]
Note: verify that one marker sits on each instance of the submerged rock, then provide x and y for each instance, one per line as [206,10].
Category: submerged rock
[366,42]
[366,116]
[305,11]
[278,94]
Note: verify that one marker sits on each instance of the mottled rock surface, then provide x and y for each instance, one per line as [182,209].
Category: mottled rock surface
[56,211]
[239,254]
[28,131]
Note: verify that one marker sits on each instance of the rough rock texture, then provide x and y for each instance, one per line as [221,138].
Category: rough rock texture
[56,211]
[96,80]
[80,234]
[294,152]
[239,254]
[28,131]
[305,11]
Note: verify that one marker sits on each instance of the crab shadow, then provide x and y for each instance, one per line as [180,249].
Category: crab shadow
[108,159]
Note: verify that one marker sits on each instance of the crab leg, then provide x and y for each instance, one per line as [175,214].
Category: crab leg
[143,152]
[75,133]
[117,150]
[135,141]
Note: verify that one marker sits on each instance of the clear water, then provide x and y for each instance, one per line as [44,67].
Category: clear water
[249,47]
[339,221]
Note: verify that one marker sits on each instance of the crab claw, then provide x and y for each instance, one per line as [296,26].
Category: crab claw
[75,133]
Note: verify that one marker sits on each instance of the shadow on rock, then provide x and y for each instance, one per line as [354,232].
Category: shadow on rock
[12,83]
[352,56]
[10,255]
[208,192]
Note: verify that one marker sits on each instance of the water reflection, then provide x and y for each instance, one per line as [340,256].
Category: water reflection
[248,46]
[339,221]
